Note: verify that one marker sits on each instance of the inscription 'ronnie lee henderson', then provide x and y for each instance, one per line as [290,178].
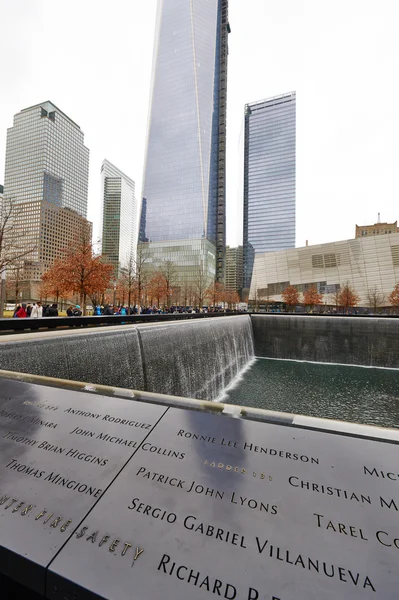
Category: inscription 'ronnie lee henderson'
[248,447]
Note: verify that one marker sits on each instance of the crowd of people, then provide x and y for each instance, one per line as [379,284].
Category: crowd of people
[37,310]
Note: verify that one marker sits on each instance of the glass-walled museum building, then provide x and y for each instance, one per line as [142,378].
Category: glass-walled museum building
[184,175]
[368,264]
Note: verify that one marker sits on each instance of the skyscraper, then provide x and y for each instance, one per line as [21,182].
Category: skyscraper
[234,272]
[46,180]
[46,159]
[120,220]
[184,178]
[269,178]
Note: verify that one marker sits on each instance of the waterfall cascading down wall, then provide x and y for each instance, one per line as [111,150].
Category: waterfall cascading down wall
[196,359]
[343,340]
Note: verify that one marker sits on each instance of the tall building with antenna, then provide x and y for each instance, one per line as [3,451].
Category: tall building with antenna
[184,177]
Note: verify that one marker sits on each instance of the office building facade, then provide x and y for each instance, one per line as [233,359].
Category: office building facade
[184,176]
[369,264]
[193,264]
[120,217]
[234,268]
[269,178]
[46,180]
[46,159]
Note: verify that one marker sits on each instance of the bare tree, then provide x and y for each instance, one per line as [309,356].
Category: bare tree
[375,297]
[14,245]
[201,284]
[335,297]
[255,298]
[128,279]
[186,293]
[264,296]
[169,272]
[142,257]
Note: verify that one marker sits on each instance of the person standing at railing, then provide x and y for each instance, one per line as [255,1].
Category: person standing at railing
[37,311]
[21,312]
[52,311]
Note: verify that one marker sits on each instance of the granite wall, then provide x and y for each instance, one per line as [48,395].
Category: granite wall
[196,359]
[345,340]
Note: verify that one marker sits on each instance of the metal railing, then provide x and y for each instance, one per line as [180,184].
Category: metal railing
[50,323]
[226,410]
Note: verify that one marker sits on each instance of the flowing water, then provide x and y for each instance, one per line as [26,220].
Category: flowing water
[196,359]
[361,394]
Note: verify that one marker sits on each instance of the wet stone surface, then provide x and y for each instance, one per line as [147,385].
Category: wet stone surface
[115,499]
[211,506]
[59,451]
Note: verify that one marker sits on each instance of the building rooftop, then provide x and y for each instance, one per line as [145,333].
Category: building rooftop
[48,102]
[107,163]
[270,101]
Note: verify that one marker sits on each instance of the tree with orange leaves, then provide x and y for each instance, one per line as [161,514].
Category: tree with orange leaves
[121,291]
[80,271]
[311,297]
[394,297]
[232,298]
[157,288]
[215,293]
[348,297]
[290,296]
[53,286]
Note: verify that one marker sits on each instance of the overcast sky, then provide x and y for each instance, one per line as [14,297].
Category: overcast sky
[93,59]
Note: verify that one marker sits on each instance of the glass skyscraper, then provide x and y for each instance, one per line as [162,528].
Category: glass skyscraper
[120,220]
[269,178]
[184,178]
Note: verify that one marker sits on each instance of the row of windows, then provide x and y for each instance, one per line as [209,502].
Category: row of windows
[375,232]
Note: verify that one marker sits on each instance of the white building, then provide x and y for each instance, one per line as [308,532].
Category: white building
[120,217]
[366,263]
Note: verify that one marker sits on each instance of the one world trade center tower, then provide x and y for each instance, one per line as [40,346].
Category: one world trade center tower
[184,196]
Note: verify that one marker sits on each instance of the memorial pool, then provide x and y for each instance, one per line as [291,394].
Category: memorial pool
[350,393]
